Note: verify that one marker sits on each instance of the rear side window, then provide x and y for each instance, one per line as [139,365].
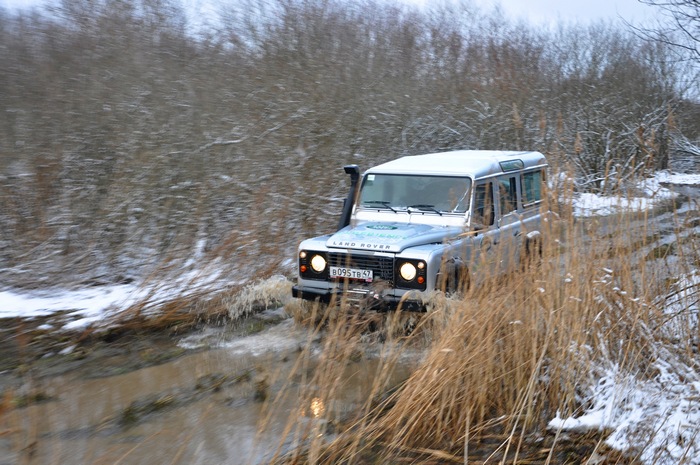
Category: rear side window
[532,187]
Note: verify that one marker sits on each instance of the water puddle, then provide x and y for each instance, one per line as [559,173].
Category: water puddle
[206,407]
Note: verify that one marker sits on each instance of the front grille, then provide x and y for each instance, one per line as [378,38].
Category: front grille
[382,267]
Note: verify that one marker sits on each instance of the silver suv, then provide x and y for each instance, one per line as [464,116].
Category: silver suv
[423,223]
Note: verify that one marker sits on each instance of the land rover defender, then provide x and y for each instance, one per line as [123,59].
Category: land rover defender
[423,223]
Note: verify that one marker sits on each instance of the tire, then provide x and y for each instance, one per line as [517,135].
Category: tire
[454,277]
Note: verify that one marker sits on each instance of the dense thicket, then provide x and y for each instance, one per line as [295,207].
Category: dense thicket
[127,137]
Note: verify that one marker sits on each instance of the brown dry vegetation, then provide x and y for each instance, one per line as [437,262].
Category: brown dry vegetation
[502,360]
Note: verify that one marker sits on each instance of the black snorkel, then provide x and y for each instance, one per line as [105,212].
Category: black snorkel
[354,172]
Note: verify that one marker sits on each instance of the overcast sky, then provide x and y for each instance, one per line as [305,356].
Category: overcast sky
[574,10]
[534,10]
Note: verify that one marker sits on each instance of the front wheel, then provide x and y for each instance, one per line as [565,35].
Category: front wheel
[454,277]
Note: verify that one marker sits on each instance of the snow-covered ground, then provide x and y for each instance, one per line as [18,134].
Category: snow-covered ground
[97,304]
[84,306]
[651,193]
[666,407]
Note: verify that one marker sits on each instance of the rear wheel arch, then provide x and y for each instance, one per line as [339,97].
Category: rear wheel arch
[532,249]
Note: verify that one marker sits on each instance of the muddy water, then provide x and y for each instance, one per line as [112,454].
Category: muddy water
[202,408]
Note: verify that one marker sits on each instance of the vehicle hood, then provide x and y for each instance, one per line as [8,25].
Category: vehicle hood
[389,237]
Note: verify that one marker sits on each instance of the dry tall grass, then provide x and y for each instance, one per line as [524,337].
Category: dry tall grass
[507,357]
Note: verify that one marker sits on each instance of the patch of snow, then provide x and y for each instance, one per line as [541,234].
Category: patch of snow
[677,178]
[588,204]
[659,417]
[94,305]
[91,302]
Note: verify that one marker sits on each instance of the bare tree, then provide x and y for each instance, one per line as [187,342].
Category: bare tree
[684,28]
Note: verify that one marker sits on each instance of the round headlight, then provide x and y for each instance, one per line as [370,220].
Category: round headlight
[318,263]
[407,271]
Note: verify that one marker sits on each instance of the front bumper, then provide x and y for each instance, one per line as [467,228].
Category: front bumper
[366,300]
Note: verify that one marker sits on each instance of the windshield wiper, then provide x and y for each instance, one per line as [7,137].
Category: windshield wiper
[383,203]
[425,207]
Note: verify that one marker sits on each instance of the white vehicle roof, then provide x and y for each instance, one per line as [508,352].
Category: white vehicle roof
[472,163]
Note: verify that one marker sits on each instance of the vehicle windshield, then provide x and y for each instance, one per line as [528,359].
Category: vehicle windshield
[396,192]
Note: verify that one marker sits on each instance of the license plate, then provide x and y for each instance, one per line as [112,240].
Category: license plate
[351,273]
